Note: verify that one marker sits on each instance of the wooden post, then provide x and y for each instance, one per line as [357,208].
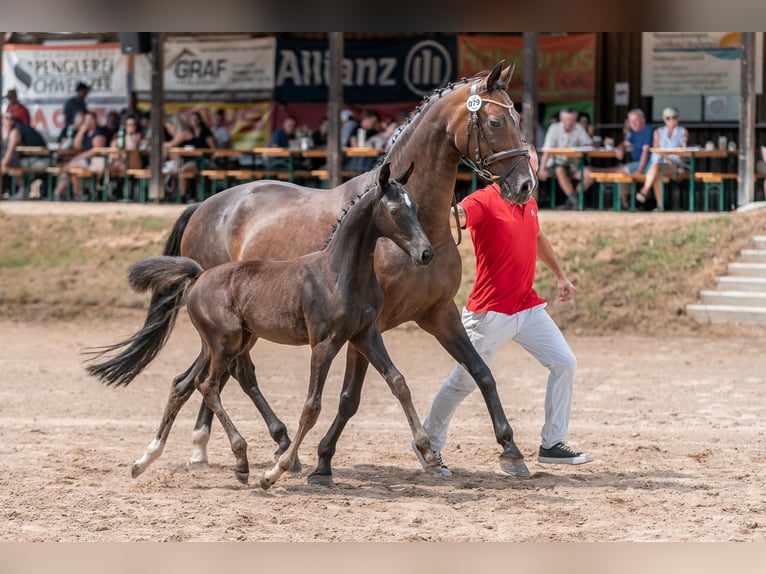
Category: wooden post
[334,105]
[156,186]
[746,190]
[529,104]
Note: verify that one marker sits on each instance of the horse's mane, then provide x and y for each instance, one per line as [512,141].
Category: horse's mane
[345,211]
[427,99]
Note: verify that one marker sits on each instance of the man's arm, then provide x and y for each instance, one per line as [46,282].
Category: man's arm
[461,218]
[546,255]
[13,140]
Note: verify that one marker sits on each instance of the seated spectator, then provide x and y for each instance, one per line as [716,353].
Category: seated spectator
[68,133]
[282,136]
[385,133]
[348,127]
[133,142]
[76,104]
[112,124]
[319,135]
[368,127]
[178,133]
[202,136]
[221,133]
[16,108]
[562,134]
[90,135]
[131,109]
[583,119]
[671,135]
[638,140]
[760,166]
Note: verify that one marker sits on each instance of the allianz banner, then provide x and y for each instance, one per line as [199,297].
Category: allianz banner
[566,65]
[391,70]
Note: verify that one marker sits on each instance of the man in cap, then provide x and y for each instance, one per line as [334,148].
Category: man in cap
[16,108]
[76,104]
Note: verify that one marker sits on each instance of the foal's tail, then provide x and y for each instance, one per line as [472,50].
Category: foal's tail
[137,351]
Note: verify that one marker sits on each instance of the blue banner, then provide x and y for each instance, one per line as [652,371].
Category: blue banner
[392,70]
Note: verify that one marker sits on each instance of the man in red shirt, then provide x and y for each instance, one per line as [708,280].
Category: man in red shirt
[16,108]
[503,306]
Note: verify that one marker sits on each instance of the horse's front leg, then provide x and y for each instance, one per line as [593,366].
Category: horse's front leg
[356,367]
[322,355]
[210,388]
[180,391]
[371,344]
[446,326]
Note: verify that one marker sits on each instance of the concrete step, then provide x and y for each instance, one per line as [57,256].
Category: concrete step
[740,298]
[760,241]
[727,314]
[753,256]
[742,283]
[747,269]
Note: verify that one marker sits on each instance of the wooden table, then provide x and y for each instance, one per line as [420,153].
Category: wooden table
[692,153]
[579,153]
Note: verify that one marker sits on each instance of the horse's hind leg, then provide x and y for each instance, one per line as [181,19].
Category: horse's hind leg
[180,391]
[356,367]
[201,433]
[210,389]
[245,374]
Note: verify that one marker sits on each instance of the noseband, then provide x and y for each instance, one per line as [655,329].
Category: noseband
[478,164]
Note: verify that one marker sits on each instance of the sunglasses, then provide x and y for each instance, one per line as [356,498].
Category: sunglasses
[671,117]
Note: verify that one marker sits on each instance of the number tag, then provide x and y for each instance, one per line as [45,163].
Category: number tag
[473,103]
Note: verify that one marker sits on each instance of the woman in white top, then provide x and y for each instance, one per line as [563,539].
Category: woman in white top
[669,136]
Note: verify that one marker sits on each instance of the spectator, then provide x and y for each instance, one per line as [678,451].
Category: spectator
[385,133]
[179,134]
[583,118]
[282,136]
[319,135]
[133,142]
[67,135]
[112,124]
[202,136]
[638,140]
[503,306]
[16,108]
[90,135]
[671,135]
[760,166]
[10,140]
[75,104]
[368,127]
[348,127]
[562,134]
[16,134]
[221,133]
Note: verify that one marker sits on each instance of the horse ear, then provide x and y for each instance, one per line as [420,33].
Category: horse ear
[406,175]
[494,75]
[384,174]
[508,74]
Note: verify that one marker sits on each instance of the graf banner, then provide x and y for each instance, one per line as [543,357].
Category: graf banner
[230,70]
[693,63]
[566,65]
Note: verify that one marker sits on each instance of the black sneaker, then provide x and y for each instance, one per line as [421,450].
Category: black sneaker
[562,453]
[443,470]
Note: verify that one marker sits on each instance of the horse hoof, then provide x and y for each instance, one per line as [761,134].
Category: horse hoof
[265,483]
[191,464]
[135,470]
[515,467]
[241,476]
[320,480]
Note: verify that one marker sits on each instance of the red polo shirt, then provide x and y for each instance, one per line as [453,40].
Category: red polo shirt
[504,237]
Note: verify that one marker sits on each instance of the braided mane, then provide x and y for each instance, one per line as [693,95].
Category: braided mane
[345,211]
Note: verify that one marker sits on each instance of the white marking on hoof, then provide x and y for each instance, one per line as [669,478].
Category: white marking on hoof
[200,438]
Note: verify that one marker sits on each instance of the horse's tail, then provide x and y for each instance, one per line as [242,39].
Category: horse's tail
[164,274]
[139,350]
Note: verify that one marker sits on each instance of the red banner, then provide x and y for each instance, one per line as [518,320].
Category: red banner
[566,65]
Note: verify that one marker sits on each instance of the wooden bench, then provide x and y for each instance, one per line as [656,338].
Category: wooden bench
[713,181]
[612,182]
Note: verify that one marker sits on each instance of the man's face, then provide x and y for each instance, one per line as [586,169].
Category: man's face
[635,122]
[568,120]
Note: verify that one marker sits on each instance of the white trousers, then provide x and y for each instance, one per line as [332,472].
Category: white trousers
[534,330]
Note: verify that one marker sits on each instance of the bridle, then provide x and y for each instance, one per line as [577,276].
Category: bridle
[473,127]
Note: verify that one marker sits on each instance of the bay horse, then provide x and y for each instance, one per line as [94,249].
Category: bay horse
[323,299]
[472,120]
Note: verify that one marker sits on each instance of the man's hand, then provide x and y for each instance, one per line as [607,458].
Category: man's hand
[566,289]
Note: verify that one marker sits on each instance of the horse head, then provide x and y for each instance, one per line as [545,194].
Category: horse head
[492,143]
[396,215]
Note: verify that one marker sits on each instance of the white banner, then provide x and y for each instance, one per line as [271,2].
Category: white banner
[42,74]
[242,66]
[689,63]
